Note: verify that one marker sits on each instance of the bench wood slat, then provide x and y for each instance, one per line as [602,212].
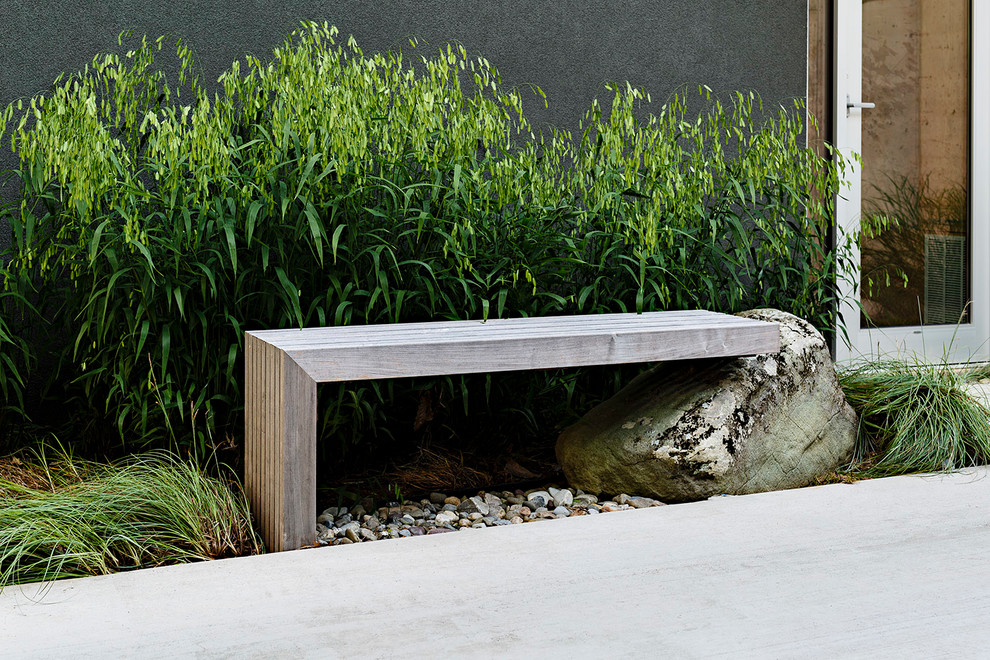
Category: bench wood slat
[446,331]
[430,358]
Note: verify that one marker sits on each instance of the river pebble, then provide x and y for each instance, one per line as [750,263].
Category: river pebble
[441,513]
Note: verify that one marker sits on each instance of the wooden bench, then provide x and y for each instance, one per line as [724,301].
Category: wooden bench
[283,367]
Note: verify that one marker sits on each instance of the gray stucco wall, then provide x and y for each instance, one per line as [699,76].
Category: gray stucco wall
[567,47]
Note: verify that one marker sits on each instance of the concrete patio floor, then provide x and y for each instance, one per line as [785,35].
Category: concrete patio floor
[893,568]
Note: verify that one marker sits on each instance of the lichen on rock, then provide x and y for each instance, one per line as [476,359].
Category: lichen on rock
[687,430]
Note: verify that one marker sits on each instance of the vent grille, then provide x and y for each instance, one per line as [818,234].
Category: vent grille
[945,279]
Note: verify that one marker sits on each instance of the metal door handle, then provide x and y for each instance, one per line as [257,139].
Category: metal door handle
[852,104]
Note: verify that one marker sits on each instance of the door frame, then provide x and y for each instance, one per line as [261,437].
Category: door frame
[968,342]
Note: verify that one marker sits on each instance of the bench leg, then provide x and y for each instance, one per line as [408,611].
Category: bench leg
[279,446]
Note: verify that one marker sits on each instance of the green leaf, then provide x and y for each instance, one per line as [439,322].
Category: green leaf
[94,242]
[228,231]
[336,240]
[166,348]
[315,229]
[252,218]
[292,295]
[142,336]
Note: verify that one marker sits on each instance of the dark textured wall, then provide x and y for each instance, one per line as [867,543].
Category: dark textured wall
[567,47]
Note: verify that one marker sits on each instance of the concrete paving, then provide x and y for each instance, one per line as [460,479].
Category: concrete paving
[889,568]
[980,392]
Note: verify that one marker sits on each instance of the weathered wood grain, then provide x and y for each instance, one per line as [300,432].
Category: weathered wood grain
[429,349]
[297,492]
[282,368]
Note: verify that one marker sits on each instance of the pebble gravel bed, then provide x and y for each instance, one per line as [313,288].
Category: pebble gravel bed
[440,514]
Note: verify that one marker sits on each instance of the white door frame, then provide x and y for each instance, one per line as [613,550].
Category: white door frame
[967,342]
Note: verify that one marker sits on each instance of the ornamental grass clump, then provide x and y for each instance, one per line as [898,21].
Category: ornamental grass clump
[914,417]
[64,517]
[157,221]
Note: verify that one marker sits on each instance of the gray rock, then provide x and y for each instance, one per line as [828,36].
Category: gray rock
[437,498]
[448,507]
[537,495]
[344,519]
[493,500]
[343,541]
[563,512]
[585,498]
[536,503]
[358,511]
[416,531]
[367,535]
[324,519]
[563,497]
[353,534]
[405,532]
[686,430]
[408,519]
[446,517]
[643,502]
[473,505]
[372,522]
[351,525]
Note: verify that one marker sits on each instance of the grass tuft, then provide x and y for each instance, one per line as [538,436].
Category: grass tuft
[64,517]
[914,417]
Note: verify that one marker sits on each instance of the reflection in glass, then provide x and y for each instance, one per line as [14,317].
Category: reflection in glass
[915,257]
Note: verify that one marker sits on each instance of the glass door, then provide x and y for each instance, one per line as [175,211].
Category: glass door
[910,98]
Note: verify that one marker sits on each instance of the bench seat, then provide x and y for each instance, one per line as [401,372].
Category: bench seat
[282,368]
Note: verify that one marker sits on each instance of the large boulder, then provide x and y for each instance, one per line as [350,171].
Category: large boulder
[687,430]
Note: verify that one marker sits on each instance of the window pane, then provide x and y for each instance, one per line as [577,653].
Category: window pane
[916,161]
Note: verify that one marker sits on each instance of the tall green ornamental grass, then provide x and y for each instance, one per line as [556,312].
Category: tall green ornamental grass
[63,517]
[323,186]
[14,355]
[914,417]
